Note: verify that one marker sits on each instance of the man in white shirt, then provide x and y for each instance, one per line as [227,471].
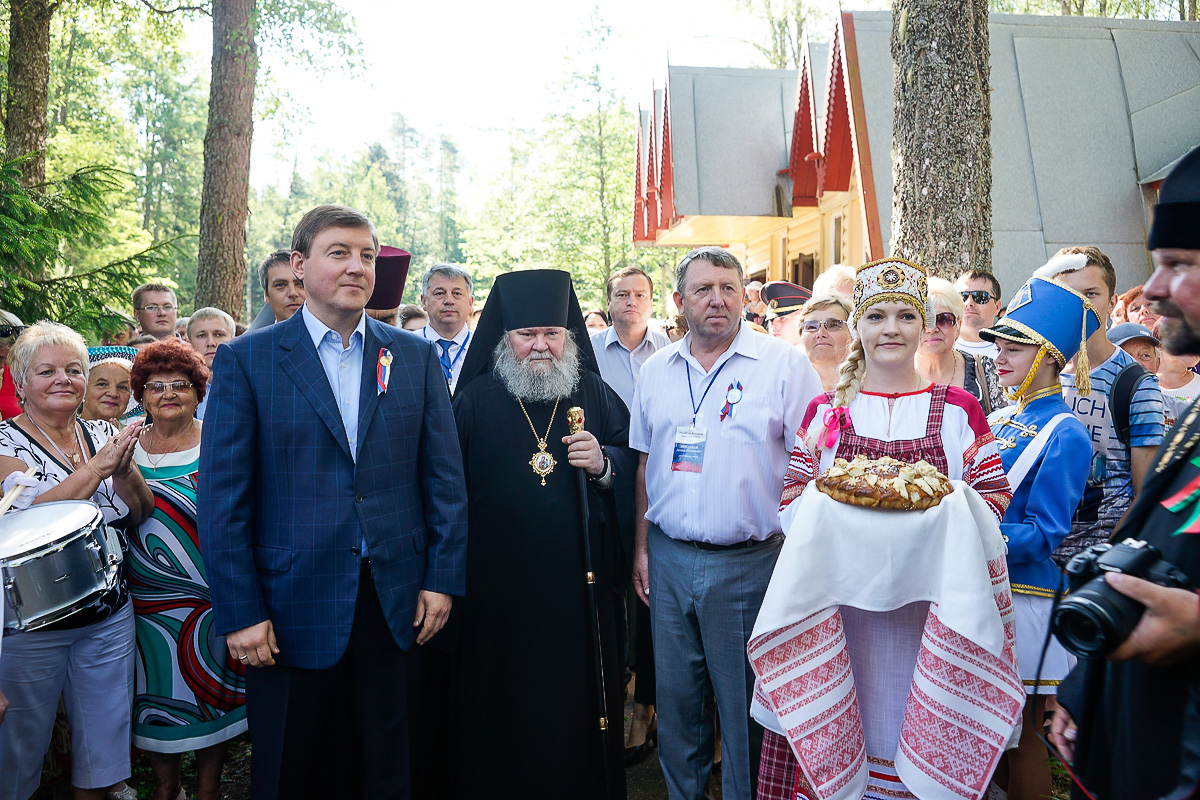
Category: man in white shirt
[714,417]
[981,306]
[621,350]
[447,295]
[623,347]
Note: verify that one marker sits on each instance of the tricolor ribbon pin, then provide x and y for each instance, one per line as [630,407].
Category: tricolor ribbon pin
[383,371]
[733,396]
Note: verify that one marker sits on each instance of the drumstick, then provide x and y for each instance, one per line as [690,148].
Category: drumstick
[12,494]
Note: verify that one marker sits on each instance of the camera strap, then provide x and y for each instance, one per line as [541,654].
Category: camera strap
[1037,681]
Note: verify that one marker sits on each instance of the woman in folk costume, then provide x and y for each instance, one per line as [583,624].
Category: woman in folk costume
[885,648]
[1047,454]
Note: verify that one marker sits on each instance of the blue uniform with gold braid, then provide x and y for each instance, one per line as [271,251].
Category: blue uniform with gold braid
[1039,516]
[1048,485]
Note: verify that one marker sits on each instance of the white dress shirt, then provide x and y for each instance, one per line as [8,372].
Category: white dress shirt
[457,350]
[620,366]
[735,497]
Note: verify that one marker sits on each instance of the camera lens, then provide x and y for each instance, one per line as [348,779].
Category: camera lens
[1095,619]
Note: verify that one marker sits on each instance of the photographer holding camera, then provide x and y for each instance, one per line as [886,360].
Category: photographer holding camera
[1129,719]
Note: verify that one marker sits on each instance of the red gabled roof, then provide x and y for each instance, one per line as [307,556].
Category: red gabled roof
[639,201]
[666,181]
[838,140]
[802,161]
[862,145]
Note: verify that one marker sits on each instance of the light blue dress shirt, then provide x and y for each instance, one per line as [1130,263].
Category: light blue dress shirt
[620,366]
[343,367]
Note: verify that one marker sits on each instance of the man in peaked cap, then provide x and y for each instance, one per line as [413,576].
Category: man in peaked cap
[391,271]
[532,620]
[782,300]
[1131,722]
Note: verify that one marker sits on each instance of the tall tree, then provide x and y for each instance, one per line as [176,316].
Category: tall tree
[27,93]
[941,135]
[224,203]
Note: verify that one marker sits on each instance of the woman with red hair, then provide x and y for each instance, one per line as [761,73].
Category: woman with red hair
[190,694]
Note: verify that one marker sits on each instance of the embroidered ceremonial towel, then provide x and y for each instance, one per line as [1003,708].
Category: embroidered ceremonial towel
[964,703]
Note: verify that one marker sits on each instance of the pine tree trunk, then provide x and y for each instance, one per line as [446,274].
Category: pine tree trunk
[26,125]
[224,202]
[941,145]
[1191,10]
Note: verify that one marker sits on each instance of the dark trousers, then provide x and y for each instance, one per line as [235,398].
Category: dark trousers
[643,649]
[337,732]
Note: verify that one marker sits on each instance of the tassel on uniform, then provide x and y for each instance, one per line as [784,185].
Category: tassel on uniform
[1083,378]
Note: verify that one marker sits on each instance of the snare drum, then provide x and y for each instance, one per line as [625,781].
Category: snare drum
[55,559]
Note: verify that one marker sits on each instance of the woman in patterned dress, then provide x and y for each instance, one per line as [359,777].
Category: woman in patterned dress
[882,406]
[87,657]
[190,695]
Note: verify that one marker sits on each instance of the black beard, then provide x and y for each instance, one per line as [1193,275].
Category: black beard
[1177,338]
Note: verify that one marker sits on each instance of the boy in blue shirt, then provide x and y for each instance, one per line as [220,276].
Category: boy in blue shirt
[1117,467]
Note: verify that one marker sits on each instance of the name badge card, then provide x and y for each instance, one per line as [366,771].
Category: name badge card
[689,449]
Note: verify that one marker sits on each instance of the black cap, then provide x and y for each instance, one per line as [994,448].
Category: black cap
[1177,215]
[533,298]
[782,298]
[391,271]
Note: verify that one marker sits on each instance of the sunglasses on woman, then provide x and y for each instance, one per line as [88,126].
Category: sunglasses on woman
[946,319]
[831,325]
[159,387]
[8,331]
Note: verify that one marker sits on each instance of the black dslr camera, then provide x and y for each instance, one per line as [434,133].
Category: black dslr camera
[1096,618]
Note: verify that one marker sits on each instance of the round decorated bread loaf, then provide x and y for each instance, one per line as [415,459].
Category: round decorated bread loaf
[885,483]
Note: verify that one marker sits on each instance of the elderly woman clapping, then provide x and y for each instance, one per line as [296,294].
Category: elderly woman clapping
[88,657]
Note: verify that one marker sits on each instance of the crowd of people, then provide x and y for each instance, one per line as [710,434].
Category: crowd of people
[401,545]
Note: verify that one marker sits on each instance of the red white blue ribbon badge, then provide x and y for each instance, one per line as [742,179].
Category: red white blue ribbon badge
[733,396]
[383,371]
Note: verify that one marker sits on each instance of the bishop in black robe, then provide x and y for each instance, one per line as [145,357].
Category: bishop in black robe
[527,698]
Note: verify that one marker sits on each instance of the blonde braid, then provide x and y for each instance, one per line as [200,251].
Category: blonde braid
[850,375]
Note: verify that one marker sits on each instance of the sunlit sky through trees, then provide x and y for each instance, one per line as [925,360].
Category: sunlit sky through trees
[474,69]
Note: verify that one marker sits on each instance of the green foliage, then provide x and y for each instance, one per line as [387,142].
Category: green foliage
[37,280]
[566,200]
[407,186]
[786,24]
[1133,9]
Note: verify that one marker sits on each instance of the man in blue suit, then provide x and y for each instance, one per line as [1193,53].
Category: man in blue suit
[332,521]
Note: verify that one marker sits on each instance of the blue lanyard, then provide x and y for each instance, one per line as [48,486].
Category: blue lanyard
[711,381]
[461,348]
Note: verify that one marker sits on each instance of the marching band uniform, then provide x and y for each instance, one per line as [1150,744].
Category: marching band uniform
[1047,454]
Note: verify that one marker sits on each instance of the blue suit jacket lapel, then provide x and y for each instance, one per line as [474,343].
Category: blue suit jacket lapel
[368,397]
[303,366]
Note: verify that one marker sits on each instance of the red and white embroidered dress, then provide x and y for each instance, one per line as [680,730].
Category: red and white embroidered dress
[885,649]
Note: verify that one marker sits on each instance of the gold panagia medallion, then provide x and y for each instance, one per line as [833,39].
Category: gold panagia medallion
[543,463]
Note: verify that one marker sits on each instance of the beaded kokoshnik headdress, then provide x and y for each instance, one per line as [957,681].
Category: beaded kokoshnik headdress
[892,280]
